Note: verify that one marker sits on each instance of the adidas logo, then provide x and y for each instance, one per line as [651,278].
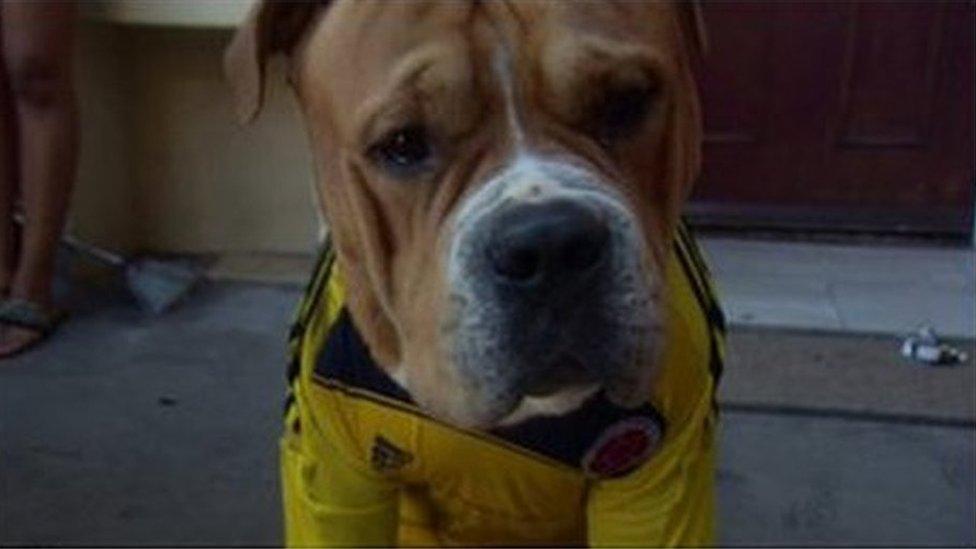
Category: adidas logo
[385,456]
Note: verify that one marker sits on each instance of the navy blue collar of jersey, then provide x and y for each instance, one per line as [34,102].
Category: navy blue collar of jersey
[345,360]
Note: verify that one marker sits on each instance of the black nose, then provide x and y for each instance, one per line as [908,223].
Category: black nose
[547,245]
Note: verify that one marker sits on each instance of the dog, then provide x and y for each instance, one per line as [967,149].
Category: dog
[510,337]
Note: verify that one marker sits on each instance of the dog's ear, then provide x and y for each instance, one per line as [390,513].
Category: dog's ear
[272,27]
[693,23]
[688,131]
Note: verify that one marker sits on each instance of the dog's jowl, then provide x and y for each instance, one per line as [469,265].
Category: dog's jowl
[510,338]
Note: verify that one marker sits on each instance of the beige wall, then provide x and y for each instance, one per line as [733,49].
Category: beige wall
[165,167]
[104,197]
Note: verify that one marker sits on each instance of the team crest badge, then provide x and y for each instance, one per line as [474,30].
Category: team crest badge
[623,447]
[385,456]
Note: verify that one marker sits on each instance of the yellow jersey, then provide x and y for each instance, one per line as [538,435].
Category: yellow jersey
[362,465]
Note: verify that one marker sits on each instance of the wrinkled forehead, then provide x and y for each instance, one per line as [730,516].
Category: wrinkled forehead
[376,44]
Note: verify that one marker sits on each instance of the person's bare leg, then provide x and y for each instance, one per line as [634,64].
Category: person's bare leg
[38,43]
[8,177]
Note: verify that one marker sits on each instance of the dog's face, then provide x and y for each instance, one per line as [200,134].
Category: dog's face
[501,180]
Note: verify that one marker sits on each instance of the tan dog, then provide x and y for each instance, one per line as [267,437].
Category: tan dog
[502,181]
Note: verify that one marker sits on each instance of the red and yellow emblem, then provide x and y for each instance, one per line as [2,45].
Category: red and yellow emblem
[623,447]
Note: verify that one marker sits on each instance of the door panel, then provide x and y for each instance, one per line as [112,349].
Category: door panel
[843,115]
[888,86]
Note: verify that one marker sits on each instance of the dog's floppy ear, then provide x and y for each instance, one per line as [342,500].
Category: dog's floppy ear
[271,27]
[693,24]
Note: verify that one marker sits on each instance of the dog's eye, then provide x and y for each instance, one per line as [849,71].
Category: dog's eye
[622,111]
[403,151]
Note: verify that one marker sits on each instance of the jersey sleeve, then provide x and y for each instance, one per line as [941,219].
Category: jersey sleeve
[331,499]
[668,502]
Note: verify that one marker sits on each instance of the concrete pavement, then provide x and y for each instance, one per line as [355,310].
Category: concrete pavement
[849,288]
[128,430]
[808,481]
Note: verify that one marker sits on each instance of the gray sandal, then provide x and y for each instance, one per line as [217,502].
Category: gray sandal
[31,316]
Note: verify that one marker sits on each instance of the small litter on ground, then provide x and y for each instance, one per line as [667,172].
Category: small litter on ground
[925,347]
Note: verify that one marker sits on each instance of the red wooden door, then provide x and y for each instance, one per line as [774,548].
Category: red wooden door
[844,115]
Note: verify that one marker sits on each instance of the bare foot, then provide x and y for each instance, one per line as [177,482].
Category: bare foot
[14,340]
[23,324]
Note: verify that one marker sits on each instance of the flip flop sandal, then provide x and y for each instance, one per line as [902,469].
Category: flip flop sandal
[31,316]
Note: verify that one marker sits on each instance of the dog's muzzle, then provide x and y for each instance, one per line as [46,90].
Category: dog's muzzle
[545,262]
[548,289]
